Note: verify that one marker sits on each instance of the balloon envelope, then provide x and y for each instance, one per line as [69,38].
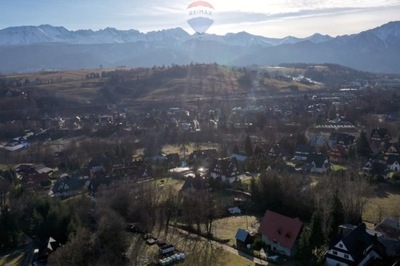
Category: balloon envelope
[200,16]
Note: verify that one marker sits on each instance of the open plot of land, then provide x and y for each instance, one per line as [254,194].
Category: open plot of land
[198,251]
[386,202]
[226,228]
[170,182]
[190,148]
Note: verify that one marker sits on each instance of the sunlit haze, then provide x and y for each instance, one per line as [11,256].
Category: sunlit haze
[272,18]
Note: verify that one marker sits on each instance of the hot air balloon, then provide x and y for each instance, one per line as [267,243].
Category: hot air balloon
[200,16]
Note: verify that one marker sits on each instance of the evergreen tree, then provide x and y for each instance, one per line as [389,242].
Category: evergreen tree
[336,216]
[351,154]
[255,197]
[183,146]
[258,150]
[304,248]
[9,230]
[363,148]
[248,146]
[317,237]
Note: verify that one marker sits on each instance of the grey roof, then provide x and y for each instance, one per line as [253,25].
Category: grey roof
[242,235]
[390,226]
[304,148]
[239,157]
[357,241]
[393,159]
[318,159]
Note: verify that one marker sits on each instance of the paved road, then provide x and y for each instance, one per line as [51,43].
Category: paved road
[228,248]
[29,253]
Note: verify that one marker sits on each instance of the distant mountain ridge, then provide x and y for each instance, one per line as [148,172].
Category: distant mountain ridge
[28,35]
[33,48]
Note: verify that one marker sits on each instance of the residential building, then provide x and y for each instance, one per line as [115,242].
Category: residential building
[243,238]
[379,138]
[318,163]
[354,248]
[341,138]
[280,233]
[193,185]
[388,233]
[303,151]
[225,169]
[393,163]
[338,153]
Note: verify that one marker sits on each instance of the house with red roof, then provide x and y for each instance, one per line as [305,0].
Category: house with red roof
[280,233]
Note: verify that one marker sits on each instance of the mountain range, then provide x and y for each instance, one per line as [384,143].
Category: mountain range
[45,47]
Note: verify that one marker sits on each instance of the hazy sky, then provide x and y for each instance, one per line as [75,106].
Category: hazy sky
[271,18]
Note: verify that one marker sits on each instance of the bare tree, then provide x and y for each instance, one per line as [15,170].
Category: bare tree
[4,189]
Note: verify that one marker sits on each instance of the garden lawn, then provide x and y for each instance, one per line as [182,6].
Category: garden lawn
[226,228]
[385,202]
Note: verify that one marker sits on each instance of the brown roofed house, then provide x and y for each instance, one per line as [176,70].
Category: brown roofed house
[280,233]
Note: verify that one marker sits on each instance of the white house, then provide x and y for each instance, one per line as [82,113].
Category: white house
[355,248]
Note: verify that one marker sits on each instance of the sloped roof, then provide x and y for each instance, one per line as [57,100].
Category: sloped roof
[52,244]
[303,148]
[67,184]
[38,179]
[41,168]
[342,138]
[381,133]
[390,226]
[239,157]
[357,241]
[203,154]
[227,165]
[318,159]
[195,183]
[281,229]
[393,159]
[242,235]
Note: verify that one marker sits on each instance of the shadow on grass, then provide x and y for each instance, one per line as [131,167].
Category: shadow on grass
[383,190]
[15,258]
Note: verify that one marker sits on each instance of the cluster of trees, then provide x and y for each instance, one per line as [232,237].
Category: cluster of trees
[26,213]
[318,202]
[101,236]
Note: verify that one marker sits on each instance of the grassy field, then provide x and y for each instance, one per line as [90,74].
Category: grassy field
[4,167]
[198,251]
[170,182]
[385,202]
[336,167]
[12,260]
[226,228]
[190,148]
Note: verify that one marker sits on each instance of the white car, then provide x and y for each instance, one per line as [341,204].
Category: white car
[234,210]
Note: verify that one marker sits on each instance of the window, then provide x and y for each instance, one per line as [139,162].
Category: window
[346,256]
[341,245]
[334,253]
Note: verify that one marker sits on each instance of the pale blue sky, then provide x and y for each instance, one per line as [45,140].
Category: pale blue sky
[271,18]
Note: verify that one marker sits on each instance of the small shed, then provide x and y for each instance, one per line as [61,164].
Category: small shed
[243,238]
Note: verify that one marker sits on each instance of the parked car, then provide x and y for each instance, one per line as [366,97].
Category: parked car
[234,210]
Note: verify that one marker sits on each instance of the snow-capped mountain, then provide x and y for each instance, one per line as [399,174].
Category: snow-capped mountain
[28,35]
[31,48]
[319,38]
